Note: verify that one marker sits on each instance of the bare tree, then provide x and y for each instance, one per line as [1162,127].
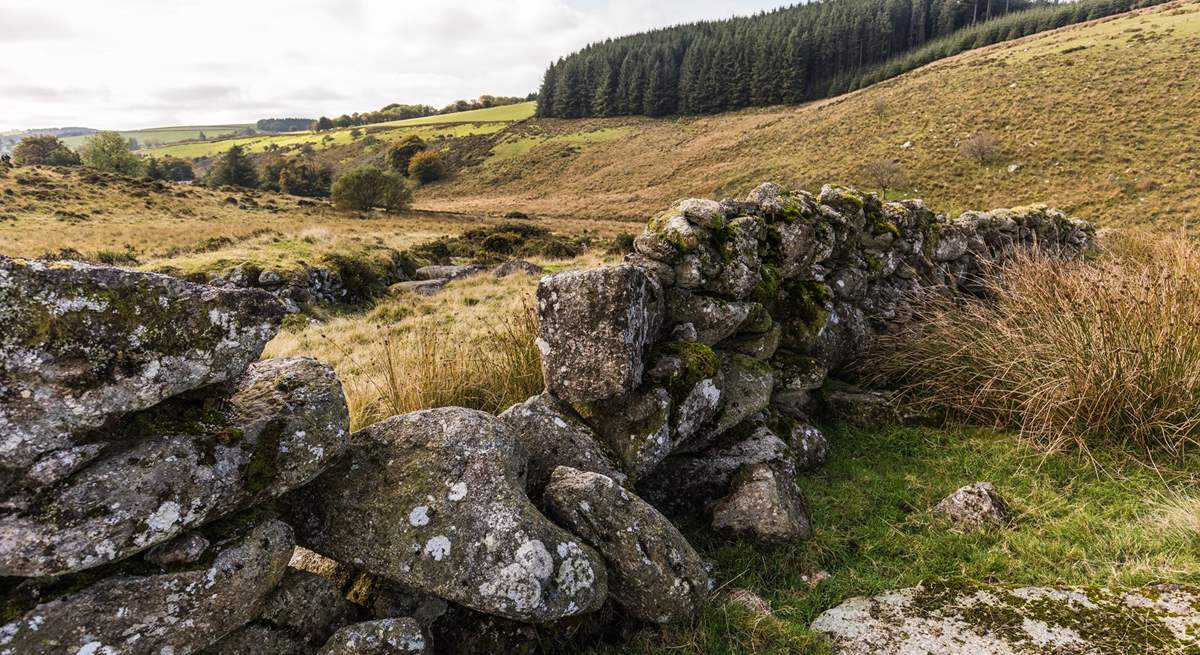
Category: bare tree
[882,174]
[983,148]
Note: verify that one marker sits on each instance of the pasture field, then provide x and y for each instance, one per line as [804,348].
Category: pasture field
[168,135]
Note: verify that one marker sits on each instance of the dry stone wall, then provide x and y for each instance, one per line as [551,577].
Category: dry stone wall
[163,491]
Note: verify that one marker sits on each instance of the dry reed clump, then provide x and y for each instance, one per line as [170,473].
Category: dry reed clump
[427,367]
[1075,354]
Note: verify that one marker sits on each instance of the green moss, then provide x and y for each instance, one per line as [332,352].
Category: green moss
[699,363]
[263,465]
[768,285]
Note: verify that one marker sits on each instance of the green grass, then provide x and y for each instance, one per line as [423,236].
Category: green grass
[168,135]
[1123,524]
[504,114]
[514,146]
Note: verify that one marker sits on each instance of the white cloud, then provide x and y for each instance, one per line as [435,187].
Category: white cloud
[140,63]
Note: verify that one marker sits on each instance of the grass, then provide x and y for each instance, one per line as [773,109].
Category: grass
[456,125]
[874,531]
[1095,131]
[1081,355]
[195,229]
[168,135]
[470,345]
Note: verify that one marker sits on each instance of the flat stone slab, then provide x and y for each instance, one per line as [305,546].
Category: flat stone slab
[986,620]
[420,287]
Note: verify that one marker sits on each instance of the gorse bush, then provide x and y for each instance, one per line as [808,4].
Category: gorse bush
[1078,354]
[426,166]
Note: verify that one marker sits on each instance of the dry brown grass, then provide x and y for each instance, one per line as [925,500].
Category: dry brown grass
[1099,132]
[1074,354]
[471,345]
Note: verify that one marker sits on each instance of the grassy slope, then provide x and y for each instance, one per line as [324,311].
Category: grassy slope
[44,210]
[167,135]
[461,124]
[1097,116]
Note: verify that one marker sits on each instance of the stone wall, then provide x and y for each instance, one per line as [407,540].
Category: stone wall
[162,491]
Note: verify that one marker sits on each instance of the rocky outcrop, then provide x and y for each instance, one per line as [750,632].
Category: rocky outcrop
[435,500]
[282,424]
[965,620]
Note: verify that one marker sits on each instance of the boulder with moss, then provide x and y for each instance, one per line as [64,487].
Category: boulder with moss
[993,620]
[137,607]
[82,344]
[435,500]
[179,465]
[554,434]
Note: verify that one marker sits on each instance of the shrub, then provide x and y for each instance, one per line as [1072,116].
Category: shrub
[622,244]
[170,168]
[400,155]
[43,151]
[1078,354]
[109,151]
[367,188]
[234,169]
[303,178]
[983,148]
[882,174]
[426,166]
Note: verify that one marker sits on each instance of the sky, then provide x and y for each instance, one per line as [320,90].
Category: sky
[124,64]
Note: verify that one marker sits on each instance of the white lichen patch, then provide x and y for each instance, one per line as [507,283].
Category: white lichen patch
[517,585]
[457,492]
[438,548]
[575,574]
[419,516]
[536,559]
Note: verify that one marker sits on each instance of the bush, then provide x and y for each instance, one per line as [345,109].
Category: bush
[109,151]
[44,151]
[170,168]
[299,177]
[234,169]
[983,148]
[883,174]
[367,188]
[400,155]
[1079,354]
[426,166]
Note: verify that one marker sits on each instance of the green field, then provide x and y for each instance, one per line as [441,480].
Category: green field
[168,135]
[466,123]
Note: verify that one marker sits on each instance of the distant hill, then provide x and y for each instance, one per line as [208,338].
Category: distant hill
[9,140]
[1099,118]
[804,52]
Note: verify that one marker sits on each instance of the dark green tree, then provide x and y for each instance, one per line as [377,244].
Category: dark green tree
[234,169]
[43,151]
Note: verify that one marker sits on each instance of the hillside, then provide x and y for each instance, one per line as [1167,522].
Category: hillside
[1093,118]
[460,124]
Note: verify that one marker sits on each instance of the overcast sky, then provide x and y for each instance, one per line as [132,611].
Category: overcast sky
[144,63]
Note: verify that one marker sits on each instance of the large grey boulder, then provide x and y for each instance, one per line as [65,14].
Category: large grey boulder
[656,576]
[383,637]
[135,612]
[284,422]
[553,434]
[714,319]
[81,344]
[435,500]
[595,328]
[992,620]
[763,504]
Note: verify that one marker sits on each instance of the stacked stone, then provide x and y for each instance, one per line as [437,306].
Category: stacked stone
[700,361]
[140,442]
[155,479]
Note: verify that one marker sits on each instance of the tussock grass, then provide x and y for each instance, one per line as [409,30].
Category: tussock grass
[428,367]
[1075,355]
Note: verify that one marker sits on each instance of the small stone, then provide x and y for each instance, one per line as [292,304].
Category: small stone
[975,506]
[419,287]
[860,407]
[763,504]
[515,266]
[384,637]
[448,273]
[656,576]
